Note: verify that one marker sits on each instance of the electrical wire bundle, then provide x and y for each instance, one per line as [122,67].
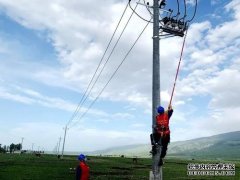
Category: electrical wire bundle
[77,115]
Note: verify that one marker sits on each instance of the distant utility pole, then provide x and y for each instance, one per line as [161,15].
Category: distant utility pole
[64,138]
[59,143]
[22,143]
[32,146]
[156,170]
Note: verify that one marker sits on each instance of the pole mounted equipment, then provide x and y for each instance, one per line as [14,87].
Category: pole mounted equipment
[172,24]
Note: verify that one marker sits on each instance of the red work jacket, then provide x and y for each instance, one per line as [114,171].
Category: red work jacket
[84,171]
[162,122]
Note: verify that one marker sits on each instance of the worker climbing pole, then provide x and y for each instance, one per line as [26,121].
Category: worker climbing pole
[171,25]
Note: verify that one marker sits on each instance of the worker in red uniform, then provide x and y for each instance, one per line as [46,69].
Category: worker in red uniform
[82,170]
[161,135]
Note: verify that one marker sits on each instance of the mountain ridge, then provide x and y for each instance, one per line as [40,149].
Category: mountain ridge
[225,146]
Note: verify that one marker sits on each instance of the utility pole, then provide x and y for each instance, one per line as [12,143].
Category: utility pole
[156,170]
[59,143]
[64,138]
[22,143]
[32,146]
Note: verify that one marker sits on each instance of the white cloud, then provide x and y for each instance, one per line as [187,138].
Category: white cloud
[138,125]
[234,5]
[15,97]
[122,116]
[79,31]
[29,96]
[211,69]
[32,97]
[227,86]
[226,33]
[80,46]
[218,121]
[191,2]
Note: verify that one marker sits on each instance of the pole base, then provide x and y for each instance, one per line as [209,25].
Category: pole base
[157,176]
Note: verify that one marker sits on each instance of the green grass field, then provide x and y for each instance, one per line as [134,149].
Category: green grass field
[26,167]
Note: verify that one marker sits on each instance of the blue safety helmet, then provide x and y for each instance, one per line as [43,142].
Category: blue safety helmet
[160,110]
[81,157]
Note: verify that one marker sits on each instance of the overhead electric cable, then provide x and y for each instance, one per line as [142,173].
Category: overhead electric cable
[80,102]
[195,10]
[178,13]
[104,65]
[137,13]
[185,11]
[147,7]
[114,73]
[185,8]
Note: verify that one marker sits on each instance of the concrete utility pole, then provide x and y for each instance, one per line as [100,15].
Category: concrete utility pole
[65,131]
[156,170]
[22,143]
[59,143]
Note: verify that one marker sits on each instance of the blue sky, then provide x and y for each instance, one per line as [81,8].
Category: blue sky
[49,51]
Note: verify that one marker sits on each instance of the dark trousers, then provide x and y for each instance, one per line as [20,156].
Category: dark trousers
[157,139]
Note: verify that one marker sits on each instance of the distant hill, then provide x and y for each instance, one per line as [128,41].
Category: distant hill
[129,150]
[226,146]
[222,146]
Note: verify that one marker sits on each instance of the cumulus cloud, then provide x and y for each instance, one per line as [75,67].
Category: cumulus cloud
[226,84]
[79,31]
[218,121]
[191,2]
[80,46]
[212,69]
[32,97]
[15,97]
[29,96]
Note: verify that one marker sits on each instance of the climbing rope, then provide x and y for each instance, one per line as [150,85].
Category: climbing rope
[179,63]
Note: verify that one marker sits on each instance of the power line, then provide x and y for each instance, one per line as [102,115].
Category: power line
[147,7]
[80,102]
[137,13]
[82,99]
[185,8]
[86,96]
[93,102]
[178,13]
[195,10]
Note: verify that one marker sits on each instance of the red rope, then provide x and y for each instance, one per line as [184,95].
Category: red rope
[179,63]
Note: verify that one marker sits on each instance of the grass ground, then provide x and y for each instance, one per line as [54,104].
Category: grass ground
[48,167]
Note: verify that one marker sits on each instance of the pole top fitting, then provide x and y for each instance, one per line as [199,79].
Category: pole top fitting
[155,37]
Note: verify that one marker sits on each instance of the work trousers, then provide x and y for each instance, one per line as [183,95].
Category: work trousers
[156,138]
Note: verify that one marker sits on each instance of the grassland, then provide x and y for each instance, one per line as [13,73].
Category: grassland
[30,167]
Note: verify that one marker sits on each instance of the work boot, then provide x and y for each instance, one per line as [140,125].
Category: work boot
[154,150]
